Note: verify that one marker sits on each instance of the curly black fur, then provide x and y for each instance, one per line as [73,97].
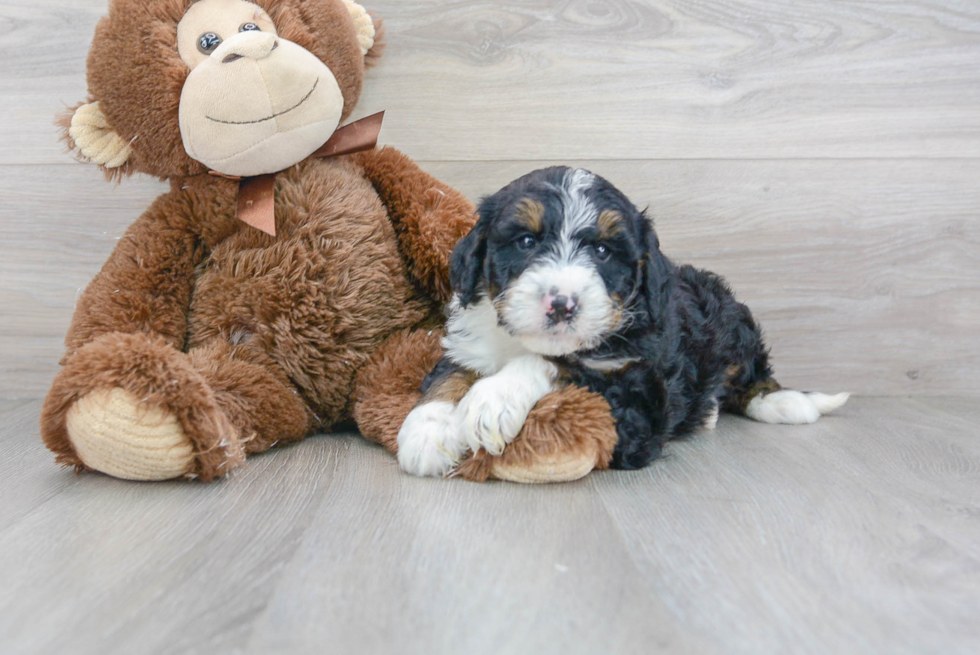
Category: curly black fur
[690,348]
[702,352]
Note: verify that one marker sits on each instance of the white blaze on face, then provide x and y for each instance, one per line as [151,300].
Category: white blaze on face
[567,270]
[579,213]
[256,103]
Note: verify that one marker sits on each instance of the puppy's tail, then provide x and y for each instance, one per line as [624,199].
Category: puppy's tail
[791,407]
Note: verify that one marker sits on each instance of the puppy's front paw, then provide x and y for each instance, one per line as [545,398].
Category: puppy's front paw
[493,413]
[429,441]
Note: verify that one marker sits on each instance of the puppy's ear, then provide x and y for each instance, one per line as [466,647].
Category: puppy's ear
[466,267]
[658,276]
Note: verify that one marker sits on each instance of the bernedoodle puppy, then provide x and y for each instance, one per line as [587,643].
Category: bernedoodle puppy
[562,282]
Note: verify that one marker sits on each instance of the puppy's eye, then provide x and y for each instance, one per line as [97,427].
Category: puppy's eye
[249,27]
[602,252]
[207,42]
[527,242]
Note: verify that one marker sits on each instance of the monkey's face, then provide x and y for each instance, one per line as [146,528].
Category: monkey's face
[177,87]
[253,102]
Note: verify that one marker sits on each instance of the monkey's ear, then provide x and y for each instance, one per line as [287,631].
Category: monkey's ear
[369,32]
[90,137]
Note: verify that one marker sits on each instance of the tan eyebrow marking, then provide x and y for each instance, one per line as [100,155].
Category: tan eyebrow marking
[530,214]
[609,224]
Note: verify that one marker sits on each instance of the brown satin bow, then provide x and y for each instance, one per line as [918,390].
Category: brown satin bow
[257,195]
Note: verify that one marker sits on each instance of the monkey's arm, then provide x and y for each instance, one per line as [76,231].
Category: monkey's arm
[145,286]
[429,217]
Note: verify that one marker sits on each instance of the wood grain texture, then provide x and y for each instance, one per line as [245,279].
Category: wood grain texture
[43,46]
[59,225]
[604,79]
[860,534]
[863,271]
[865,274]
[822,156]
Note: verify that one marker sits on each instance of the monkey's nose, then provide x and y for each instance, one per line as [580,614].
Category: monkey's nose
[251,45]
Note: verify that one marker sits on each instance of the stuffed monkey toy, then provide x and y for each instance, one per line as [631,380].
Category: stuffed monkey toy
[292,279]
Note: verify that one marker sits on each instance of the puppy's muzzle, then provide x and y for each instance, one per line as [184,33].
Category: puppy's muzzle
[561,308]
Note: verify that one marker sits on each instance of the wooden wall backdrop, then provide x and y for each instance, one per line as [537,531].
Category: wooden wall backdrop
[824,156]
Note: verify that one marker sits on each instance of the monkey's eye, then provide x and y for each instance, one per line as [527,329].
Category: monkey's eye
[527,242]
[208,42]
[249,27]
[602,252]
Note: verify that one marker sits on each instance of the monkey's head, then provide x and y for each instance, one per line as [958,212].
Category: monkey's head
[180,87]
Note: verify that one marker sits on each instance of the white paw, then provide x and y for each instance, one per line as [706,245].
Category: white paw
[493,412]
[793,407]
[429,441]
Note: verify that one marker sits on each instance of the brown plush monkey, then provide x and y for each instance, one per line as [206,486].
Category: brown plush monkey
[204,339]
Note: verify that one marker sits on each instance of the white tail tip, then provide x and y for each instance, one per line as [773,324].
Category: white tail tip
[793,407]
[826,404]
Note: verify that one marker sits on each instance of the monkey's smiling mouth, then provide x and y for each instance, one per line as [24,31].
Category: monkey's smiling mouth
[269,118]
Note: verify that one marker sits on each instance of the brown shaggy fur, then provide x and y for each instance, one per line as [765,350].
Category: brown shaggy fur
[135,72]
[373,56]
[429,216]
[252,340]
[388,385]
[152,370]
[283,324]
[571,423]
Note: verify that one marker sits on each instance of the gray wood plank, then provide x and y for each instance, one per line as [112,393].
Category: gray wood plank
[59,224]
[545,562]
[840,537]
[30,479]
[604,79]
[44,45]
[179,567]
[860,534]
[865,274]
[155,568]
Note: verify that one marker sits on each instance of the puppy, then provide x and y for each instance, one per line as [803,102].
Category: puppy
[561,282]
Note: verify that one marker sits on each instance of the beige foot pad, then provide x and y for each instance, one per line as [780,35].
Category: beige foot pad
[543,470]
[113,432]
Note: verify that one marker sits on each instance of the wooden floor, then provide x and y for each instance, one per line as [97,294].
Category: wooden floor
[860,534]
[824,156]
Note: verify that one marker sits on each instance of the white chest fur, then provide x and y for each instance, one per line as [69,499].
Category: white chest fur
[476,342]
[436,435]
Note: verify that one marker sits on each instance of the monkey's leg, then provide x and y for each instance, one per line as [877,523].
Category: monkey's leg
[389,385]
[134,407]
[568,434]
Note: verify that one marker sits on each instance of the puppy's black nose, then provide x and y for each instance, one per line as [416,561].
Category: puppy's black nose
[562,308]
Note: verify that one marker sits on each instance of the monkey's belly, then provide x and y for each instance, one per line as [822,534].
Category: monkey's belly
[320,298]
